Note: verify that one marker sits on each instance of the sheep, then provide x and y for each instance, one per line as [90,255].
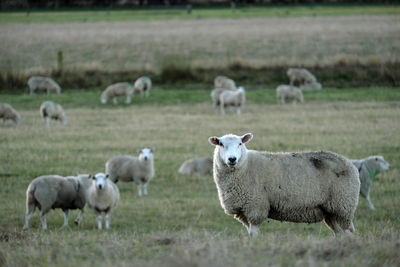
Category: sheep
[40,83]
[224,82]
[102,196]
[288,92]
[200,166]
[297,187]
[368,169]
[52,111]
[143,86]
[311,86]
[137,169]
[300,76]
[115,90]
[56,192]
[7,112]
[215,94]
[232,98]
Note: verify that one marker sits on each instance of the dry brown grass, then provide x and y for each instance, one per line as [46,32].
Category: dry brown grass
[202,43]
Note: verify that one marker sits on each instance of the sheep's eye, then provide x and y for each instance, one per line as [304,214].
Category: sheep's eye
[240,144]
[94,178]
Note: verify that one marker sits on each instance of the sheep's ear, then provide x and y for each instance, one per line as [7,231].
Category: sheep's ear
[213,140]
[90,176]
[107,176]
[247,138]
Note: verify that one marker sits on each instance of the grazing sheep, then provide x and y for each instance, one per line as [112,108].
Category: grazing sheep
[298,187]
[52,111]
[368,169]
[7,112]
[40,83]
[200,166]
[311,86]
[230,98]
[300,76]
[102,196]
[288,92]
[224,82]
[127,168]
[56,192]
[115,90]
[215,94]
[143,86]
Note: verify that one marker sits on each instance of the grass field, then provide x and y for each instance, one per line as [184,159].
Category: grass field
[181,222]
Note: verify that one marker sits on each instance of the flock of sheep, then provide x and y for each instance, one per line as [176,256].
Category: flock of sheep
[252,185]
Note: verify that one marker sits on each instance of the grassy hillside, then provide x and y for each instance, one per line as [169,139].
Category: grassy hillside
[181,222]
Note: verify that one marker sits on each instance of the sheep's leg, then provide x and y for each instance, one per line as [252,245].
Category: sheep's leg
[371,206]
[107,219]
[145,189]
[333,224]
[47,121]
[140,190]
[253,230]
[115,101]
[222,109]
[43,220]
[28,216]
[128,99]
[146,94]
[99,221]
[78,219]
[238,110]
[66,217]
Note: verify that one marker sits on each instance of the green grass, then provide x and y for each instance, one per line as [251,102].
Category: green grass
[181,222]
[112,15]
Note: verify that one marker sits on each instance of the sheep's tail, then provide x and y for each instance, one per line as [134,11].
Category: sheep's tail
[30,199]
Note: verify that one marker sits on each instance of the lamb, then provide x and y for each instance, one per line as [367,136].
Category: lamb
[224,82]
[102,196]
[115,90]
[232,98]
[143,86]
[7,112]
[300,76]
[311,86]
[288,92]
[200,166]
[56,192]
[52,111]
[368,169]
[137,169]
[40,83]
[297,187]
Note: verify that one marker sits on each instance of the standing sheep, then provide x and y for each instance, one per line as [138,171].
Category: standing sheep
[7,112]
[200,166]
[215,94]
[224,82]
[368,169]
[288,92]
[56,192]
[298,187]
[52,111]
[143,86]
[230,98]
[300,76]
[40,83]
[102,196]
[115,90]
[127,168]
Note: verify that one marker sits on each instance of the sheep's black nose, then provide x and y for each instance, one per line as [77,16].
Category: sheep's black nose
[145,158]
[232,159]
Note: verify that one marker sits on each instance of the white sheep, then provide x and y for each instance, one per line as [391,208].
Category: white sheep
[215,94]
[7,112]
[40,83]
[311,86]
[133,169]
[300,76]
[298,187]
[56,192]
[52,111]
[224,82]
[288,92]
[115,90]
[102,197]
[368,169]
[199,166]
[143,86]
[229,98]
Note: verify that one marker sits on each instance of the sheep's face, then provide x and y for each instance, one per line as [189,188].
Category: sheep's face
[231,148]
[99,180]
[146,154]
[379,163]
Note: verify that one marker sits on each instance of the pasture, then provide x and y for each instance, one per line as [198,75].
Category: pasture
[180,222]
